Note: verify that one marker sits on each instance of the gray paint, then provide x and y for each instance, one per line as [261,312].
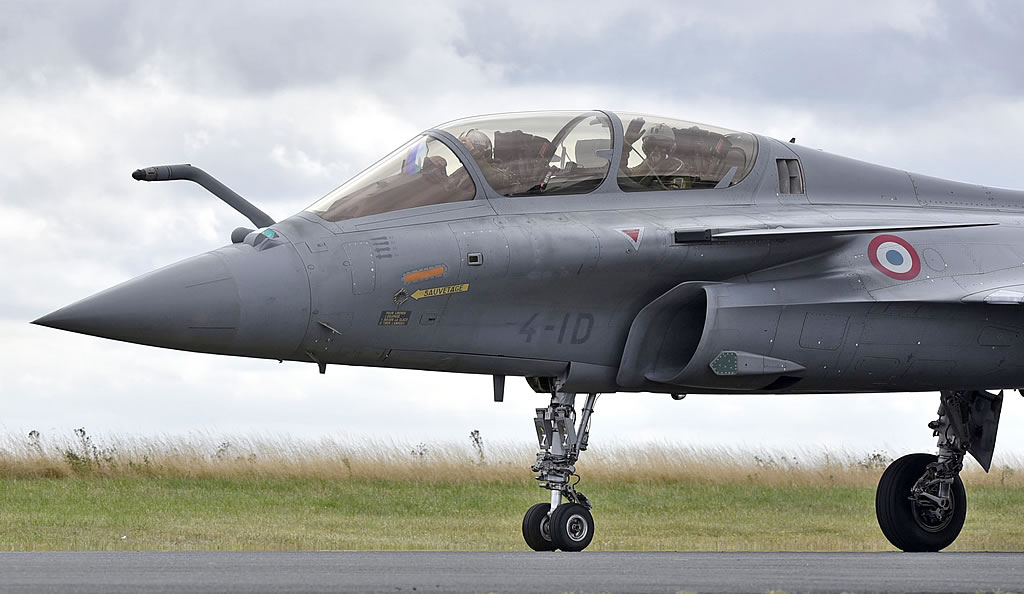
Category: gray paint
[782,282]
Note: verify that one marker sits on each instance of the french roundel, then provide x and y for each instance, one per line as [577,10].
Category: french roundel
[894,256]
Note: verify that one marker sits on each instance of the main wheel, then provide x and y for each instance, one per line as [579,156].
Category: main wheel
[910,525]
[572,527]
[537,528]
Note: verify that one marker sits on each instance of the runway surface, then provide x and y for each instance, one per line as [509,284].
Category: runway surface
[534,572]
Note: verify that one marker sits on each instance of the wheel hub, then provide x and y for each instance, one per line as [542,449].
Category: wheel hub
[576,528]
[930,517]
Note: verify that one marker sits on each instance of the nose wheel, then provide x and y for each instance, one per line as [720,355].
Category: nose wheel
[567,526]
[537,527]
[572,527]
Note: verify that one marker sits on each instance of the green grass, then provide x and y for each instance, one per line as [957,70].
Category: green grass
[198,492]
[94,513]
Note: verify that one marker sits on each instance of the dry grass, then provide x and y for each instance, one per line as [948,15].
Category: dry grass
[207,456]
[269,493]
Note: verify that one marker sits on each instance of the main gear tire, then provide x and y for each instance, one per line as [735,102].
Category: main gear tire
[915,526]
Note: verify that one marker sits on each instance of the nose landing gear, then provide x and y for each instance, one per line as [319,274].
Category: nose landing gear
[920,502]
[537,527]
[556,525]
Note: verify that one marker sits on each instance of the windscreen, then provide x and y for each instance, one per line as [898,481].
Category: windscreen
[421,172]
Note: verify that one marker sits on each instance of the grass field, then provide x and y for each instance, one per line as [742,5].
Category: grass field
[267,494]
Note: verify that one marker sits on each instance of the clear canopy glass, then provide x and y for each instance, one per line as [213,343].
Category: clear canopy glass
[421,172]
[665,154]
[526,154]
[545,153]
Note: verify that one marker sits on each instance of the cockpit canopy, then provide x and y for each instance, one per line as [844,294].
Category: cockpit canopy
[421,172]
[543,153]
[528,154]
[663,154]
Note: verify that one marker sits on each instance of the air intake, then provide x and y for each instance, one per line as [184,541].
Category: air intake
[790,179]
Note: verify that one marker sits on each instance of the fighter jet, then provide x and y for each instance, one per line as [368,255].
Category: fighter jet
[600,252]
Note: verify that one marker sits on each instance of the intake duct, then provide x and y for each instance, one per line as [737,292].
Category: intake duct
[687,338]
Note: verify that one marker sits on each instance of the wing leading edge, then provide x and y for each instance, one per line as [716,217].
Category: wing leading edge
[779,232]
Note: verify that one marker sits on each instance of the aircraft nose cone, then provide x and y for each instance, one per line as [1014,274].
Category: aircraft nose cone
[193,303]
[233,301]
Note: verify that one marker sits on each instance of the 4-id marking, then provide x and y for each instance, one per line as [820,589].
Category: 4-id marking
[574,328]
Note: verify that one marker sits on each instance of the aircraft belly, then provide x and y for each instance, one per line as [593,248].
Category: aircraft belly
[818,334]
[857,347]
[473,363]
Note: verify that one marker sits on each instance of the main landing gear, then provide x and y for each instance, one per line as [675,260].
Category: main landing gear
[920,502]
[566,526]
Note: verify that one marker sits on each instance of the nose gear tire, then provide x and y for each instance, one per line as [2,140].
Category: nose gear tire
[537,528]
[911,526]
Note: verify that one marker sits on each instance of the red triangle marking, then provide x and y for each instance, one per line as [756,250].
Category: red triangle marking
[633,234]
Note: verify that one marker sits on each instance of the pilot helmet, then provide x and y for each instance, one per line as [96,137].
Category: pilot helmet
[478,144]
[659,136]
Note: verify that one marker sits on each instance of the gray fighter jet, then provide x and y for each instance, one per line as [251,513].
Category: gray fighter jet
[599,252]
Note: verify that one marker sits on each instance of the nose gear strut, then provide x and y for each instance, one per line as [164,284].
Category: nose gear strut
[569,526]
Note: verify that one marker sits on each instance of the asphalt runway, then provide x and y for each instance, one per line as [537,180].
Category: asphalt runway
[502,572]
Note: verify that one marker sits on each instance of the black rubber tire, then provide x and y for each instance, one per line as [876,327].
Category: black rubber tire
[572,527]
[897,515]
[536,528]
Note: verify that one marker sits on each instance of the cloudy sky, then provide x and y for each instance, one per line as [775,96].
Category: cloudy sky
[283,103]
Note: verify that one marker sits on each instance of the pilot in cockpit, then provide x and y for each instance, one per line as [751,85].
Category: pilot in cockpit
[660,168]
[480,147]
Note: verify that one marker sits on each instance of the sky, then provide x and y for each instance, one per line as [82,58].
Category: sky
[285,102]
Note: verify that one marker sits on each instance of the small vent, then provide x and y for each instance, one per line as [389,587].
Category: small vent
[691,236]
[782,384]
[790,179]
